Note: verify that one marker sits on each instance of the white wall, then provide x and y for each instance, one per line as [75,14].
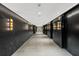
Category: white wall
[39,29]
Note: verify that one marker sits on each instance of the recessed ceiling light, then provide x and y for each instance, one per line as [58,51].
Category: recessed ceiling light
[39,13]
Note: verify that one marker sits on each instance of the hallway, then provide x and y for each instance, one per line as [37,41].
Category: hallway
[40,45]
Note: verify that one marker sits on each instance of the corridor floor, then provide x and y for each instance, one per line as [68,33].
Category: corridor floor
[40,45]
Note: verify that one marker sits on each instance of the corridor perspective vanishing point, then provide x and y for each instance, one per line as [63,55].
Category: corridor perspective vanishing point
[39,29]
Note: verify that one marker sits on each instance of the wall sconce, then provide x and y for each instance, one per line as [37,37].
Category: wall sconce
[9,24]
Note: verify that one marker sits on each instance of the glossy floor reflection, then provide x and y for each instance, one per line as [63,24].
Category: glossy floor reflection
[40,45]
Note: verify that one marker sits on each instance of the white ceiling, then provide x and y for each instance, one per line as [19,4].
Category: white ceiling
[39,15]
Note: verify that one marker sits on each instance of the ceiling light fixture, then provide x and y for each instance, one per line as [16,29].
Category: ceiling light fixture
[39,13]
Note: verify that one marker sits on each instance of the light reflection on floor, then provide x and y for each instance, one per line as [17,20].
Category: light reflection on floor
[40,45]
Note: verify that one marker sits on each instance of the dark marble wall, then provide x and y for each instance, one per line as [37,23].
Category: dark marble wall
[11,40]
[72,18]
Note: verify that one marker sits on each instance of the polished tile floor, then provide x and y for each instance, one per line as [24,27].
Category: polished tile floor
[40,45]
